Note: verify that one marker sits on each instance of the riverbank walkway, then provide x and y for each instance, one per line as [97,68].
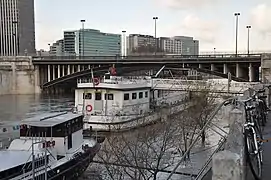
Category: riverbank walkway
[267,150]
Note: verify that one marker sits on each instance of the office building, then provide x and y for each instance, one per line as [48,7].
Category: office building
[91,42]
[140,44]
[189,45]
[17,34]
[170,45]
[57,48]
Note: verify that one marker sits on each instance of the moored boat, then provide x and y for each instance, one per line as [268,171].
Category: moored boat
[51,146]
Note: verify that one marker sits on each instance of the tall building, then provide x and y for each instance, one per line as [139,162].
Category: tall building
[140,44]
[91,42]
[189,45]
[17,34]
[170,45]
[57,48]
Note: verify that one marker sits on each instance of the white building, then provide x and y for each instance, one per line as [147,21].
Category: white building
[171,45]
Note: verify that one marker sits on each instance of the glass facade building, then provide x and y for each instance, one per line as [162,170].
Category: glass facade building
[91,42]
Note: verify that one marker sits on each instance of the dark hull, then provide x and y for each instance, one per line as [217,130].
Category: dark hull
[74,168]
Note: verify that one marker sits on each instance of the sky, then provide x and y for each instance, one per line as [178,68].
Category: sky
[212,22]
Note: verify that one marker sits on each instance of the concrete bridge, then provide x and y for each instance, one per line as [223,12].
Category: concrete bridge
[52,71]
[56,70]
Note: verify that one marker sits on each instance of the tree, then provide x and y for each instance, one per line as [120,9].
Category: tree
[144,152]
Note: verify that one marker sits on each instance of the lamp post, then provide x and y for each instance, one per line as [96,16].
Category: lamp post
[248,29]
[123,43]
[155,19]
[236,32]
[49,48]
[83,38]
[214,51]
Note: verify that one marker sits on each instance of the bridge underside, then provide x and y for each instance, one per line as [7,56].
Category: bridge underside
[52,76]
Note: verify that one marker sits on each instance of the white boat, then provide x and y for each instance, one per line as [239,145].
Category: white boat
[115,103]
[51,146]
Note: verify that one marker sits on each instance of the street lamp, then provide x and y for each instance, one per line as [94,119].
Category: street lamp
[214,51]
[49,48]
[248,28]
[236,33]
[83,38]
[155,19]
[123,42]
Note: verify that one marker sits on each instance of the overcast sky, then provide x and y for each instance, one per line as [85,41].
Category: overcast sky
[210,21]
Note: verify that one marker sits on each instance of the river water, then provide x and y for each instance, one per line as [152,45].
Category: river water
[17,107]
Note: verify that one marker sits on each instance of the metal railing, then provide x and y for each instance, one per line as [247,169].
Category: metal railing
[121,58]
[207,124]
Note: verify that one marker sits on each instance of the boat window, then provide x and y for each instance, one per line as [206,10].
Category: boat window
[109,97]
[126,96]
[146,94]
[134,96]
[140,95]
[98,96]
[88,96]
[69,141]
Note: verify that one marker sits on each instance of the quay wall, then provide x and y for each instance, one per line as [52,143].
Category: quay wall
[18,76]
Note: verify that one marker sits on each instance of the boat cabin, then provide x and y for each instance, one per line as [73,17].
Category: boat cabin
[65,129]
[113,95]
[58,133]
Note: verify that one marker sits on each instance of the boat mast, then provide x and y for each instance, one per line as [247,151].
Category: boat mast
[33,158]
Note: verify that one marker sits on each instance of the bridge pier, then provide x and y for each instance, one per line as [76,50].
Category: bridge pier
[58,71]
[251,73]
[63,70]
[69,70]
[78,68]
[200,66]
[54,71]
[213,67]
[49,72]
[238,72]
[225,69]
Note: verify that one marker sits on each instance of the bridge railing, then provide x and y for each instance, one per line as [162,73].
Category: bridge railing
[145,57]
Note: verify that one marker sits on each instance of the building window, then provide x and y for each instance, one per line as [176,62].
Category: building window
[98,96]
[109,96]
[146,94]
[87,96]
[134,96]
[140,95]
[126,96]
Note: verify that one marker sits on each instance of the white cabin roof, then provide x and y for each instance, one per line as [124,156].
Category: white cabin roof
[13,158]
[50,119]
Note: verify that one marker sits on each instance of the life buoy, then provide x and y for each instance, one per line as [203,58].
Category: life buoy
[96,81]
[88,108]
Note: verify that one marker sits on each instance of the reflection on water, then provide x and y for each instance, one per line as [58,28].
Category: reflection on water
[17,107]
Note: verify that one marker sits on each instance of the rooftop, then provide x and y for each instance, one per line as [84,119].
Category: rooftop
[50,119]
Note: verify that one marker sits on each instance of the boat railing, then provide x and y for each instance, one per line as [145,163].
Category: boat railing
[117,80]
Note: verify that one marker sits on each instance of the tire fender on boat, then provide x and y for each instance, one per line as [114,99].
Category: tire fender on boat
[96,81]
[89,108]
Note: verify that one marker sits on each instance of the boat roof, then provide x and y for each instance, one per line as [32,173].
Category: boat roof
[50,119]
[13,159]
